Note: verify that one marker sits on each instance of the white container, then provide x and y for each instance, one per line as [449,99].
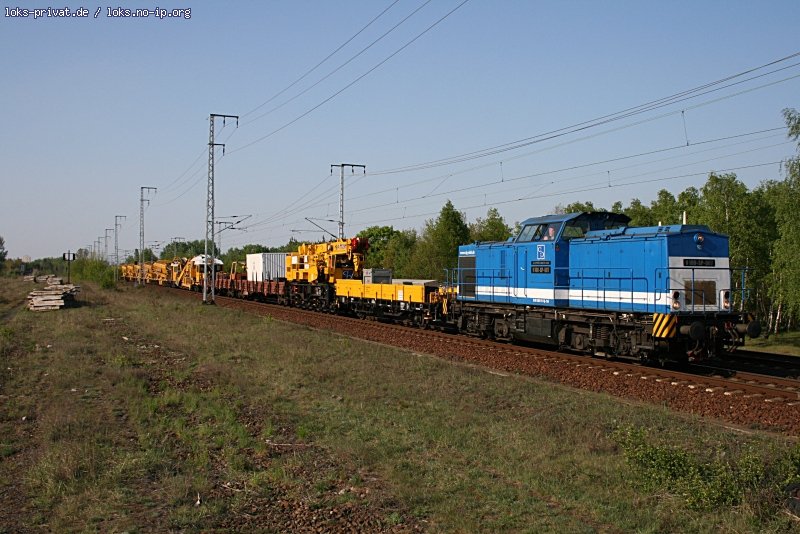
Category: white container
[266,266]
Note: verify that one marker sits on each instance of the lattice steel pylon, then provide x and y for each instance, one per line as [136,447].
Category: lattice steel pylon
[210,206]
[117,225]
[142,200]
[106,257]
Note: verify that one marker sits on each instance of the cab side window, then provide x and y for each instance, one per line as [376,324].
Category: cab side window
[550,231]
[575,229]
[531,232]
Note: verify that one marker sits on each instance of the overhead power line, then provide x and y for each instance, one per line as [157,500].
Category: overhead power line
[340,67]
[593,187]
[315,67]
[649,119]
[527,176]
[313,203]
[598,186]
[598,121]
[604,184]
[573,167]
[349,85]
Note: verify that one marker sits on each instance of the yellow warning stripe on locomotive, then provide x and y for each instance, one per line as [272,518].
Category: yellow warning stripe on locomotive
[664,325]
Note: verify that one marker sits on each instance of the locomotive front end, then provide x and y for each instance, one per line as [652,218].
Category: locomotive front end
[701,320]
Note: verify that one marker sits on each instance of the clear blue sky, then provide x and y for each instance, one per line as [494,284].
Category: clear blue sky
[94,108]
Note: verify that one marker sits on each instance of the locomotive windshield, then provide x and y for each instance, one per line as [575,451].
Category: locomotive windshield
[538,232]
[571,226]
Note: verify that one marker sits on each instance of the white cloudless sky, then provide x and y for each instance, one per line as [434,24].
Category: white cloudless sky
[94,108]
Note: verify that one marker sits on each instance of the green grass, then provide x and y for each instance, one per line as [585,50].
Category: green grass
[255,415]
[783,343]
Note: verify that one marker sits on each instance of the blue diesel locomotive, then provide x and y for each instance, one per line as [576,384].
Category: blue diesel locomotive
[590,283]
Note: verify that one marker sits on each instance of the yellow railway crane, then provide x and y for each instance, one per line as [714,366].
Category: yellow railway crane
[315,268]
[342,259]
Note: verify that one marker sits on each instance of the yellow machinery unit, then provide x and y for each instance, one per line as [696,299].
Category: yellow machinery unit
[176,266]
[414,302]
[342,259]
[191,275]
[148,271]
[161,272]
[355,289]
[127,271]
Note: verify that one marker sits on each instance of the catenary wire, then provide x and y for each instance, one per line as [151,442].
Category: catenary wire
[594,187]
[310,204]
[583,165]
[641,108]
[349,85]
[498,182]
[337,69]
[315,67]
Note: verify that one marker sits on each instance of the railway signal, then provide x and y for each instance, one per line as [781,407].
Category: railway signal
[69,257]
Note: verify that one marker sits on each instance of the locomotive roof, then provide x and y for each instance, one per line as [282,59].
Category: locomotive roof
[653,230]
[604,216]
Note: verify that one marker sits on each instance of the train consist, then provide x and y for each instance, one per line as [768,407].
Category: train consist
[586,282]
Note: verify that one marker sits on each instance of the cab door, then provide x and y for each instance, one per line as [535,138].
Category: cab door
[520,279]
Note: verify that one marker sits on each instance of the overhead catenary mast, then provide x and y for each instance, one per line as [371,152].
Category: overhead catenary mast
[106,257]
[142,200]
[341,190]
[117,219]
[210,206]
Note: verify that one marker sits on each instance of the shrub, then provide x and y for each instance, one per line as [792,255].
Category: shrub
[716,479]
[95,271]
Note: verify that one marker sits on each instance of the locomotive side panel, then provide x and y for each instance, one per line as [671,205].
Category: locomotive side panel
[619,273]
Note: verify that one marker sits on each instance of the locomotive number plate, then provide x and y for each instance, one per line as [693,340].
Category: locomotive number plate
[697,262]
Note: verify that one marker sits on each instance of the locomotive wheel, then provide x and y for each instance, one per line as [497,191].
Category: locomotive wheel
[501,329]
[579,342]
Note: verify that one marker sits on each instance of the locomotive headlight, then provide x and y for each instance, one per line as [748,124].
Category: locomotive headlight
[726,300]
[676,300]
[699,238]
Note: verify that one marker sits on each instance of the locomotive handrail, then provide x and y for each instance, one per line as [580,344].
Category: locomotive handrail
[453,279]
[698,292]
[604,274]
[493,275]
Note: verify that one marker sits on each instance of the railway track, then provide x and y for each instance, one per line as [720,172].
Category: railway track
[724,383]
[780,365]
